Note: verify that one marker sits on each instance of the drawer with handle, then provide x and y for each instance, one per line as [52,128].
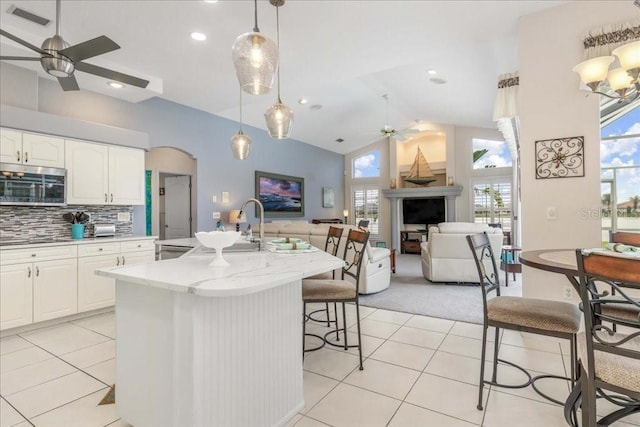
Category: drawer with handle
[94,249]
[137,245]
[47,253]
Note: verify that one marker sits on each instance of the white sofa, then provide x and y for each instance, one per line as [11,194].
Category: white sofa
[446,256]
[376,267]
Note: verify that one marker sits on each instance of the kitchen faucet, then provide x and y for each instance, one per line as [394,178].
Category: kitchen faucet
[261,211]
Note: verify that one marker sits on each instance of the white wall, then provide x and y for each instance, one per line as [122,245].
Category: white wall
[551,106]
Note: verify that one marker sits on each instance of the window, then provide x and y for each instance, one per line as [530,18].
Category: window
[620,173]
[367,165]
[366,205]
[490,154]
[492,203]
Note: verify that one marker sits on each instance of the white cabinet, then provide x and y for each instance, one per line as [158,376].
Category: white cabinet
[55,289]
[97,291]
[31,149]
[37,284]
[99,174]
[16,295]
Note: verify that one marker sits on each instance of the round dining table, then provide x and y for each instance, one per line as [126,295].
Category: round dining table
[561,261]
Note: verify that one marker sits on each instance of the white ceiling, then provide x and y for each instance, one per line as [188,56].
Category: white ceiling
[342,55]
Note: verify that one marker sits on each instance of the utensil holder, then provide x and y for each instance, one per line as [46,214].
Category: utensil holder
[77,231]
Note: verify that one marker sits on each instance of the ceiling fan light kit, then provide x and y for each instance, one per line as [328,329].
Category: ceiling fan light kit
[279,117]
[61,60]
[255,58]
[623,80]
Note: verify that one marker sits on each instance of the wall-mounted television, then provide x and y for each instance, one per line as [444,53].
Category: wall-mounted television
[426,210]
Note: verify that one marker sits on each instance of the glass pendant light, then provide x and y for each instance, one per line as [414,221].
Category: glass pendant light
[279,117]
[240,143]
[255,58]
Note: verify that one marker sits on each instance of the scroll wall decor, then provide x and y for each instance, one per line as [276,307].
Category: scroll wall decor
[560,157]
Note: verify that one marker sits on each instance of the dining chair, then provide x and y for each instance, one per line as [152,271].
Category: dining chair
[609,361]
[330,246]
[622,310]
[342,290]
[624,237]
[537,316]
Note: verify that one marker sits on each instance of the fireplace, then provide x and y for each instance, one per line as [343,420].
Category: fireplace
[396,196]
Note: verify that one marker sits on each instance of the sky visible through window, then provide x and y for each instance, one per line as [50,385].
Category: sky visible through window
[497,155]
[623,152]
[367,165]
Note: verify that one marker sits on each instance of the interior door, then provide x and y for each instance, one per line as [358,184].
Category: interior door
[177,207]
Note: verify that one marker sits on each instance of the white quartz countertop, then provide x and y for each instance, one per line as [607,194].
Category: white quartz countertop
[85,241]
[248,272]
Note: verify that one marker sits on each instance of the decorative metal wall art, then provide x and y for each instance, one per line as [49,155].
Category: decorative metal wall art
[560,157]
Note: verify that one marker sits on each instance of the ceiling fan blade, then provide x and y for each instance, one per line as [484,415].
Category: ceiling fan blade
[112,75]
[68,83]
[22,42]
[399,137]
[411,131]
[90,48]
[18,58]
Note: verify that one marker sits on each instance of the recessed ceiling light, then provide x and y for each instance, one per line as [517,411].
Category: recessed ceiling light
[432,72]
[115,85]
[339,140]
[316,107]
[303,101]
[437,80]
[211,1]
[198,36]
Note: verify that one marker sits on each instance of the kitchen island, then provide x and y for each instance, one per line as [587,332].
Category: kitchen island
[205,346]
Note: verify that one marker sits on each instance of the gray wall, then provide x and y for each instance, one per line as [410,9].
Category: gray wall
[201,134]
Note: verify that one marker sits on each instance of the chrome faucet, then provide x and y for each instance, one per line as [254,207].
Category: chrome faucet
[261,210]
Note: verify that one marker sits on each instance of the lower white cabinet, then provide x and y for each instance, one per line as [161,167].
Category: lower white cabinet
[16,295]
[55,289]
[36,291]
[96,291]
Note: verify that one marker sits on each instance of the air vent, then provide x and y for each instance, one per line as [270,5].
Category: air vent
[29,16]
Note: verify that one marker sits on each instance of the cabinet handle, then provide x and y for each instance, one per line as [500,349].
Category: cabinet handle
[122,259]
[33,255]
[37,271]
[26,157]
[100,249]
[117,260]
[28,271]
[105,197]
[111,197]
[18,155]
[139,246]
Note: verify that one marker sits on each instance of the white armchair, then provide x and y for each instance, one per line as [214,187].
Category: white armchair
[446,256]
[376,274]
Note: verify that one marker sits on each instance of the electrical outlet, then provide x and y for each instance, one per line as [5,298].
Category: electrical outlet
[124,216]
[568,292]
[216,215]
[552,213]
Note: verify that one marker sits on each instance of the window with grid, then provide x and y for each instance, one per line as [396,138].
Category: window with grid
[492,203]
[365,201]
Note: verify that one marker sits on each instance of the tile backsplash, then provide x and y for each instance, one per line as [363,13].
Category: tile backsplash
[37,223]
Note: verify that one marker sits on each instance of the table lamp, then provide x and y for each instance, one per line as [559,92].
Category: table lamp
[345,213]
[234,216]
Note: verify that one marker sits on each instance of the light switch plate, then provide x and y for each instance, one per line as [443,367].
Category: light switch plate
[552,214]
[124,216]
[216,215]
[225,197]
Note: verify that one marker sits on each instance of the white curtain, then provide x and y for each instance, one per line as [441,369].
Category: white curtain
[601,41]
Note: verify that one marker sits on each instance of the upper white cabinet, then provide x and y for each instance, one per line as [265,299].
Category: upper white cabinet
[99,174]
[31,149]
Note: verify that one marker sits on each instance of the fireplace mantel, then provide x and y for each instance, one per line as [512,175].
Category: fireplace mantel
[397,194]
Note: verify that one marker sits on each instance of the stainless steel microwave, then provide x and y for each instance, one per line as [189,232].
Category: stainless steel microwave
[22,185]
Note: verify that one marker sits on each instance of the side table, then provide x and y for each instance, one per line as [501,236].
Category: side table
[510,262]
[392,257]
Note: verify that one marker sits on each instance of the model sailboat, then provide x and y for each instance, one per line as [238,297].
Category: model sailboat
[420,172]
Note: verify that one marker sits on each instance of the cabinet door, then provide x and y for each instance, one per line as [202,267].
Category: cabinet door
[126,176]
[87,173]
[10,146]
[95,291]
[42,150]
[55,289]
[138,257]
[16,293]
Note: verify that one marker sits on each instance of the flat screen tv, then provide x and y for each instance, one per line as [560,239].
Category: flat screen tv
[425,211]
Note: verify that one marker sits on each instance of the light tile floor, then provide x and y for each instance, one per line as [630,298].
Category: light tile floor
[418,371]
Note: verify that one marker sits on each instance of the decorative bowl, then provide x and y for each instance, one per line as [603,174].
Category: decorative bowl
[218,240]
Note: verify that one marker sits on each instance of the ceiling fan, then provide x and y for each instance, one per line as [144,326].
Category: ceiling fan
[61,60]
[389,131]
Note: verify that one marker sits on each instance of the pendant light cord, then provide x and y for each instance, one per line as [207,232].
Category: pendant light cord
[278,44]
[240,109]
[57,17]
[255,14]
